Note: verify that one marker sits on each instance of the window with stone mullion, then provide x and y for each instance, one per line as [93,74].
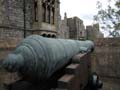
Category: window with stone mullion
[43,12]
[48,11]
[48,14]
[53,11]
[36,10]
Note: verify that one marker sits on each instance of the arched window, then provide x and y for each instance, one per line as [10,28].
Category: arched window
[52,15]
[36,10]
[43,12]
[48,15]
[49,36]
[53,11]
[53,36]
[44,35]
[48,11]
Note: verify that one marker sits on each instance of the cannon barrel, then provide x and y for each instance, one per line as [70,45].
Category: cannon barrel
[38,58]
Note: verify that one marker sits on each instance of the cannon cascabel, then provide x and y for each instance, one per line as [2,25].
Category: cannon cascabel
[38,57]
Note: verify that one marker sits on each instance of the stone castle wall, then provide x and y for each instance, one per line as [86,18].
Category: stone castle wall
[12,23]
[12,15]
[106,62]
[12,18]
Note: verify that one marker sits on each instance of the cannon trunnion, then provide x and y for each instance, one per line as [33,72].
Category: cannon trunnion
[38,58]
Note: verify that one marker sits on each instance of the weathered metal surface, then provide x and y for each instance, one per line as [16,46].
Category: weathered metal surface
[38,58]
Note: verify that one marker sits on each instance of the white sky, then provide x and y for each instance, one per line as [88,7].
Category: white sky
[84,9]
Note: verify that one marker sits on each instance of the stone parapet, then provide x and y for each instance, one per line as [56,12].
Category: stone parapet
[105,61]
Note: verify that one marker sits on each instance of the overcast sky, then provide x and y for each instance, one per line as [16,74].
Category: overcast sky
[84,9]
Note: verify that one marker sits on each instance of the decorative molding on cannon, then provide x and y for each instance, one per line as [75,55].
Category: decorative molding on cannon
[37,58]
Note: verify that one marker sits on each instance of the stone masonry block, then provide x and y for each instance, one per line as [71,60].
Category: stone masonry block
[60,89]
[66,82]
[77,58]
[73,69]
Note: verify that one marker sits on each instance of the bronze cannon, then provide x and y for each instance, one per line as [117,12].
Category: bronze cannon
[38,58]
